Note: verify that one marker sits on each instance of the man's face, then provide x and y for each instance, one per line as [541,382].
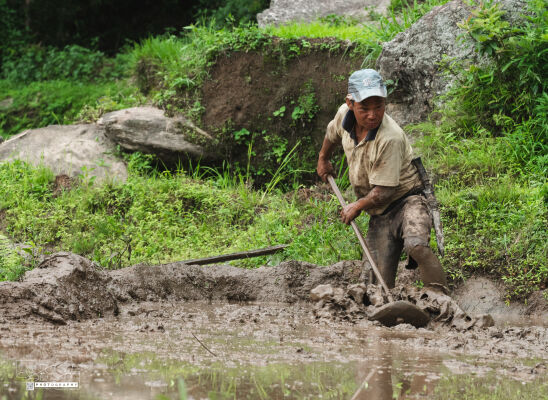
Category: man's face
[369,112]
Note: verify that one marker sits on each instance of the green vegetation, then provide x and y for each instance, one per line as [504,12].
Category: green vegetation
[43,103]
[494,220]
[162,217]
[11,263]
[45,85]
[512,100]
[352,31]
[276,380]
[490,387]
[488,152]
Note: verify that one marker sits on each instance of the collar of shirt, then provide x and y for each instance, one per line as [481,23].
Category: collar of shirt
[349,125]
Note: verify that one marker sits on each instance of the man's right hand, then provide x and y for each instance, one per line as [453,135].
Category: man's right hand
[324,169]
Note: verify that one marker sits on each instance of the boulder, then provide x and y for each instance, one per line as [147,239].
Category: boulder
[283,11]
[148,130]
[67,149]
[412,58]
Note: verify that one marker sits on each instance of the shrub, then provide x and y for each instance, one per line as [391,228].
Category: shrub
[75,63]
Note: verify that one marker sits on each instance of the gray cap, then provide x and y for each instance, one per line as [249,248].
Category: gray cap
[366,83]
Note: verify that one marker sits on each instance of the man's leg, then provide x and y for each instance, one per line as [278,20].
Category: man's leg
[432,273]
[384,247]
[416,226]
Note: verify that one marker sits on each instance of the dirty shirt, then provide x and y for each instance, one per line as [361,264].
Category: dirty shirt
[382,158]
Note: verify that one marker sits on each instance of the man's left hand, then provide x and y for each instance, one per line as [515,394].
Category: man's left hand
[350,212]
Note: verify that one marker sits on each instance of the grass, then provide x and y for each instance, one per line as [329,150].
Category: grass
[217,381]
[464,387]
[357,33]
[167,217]
[44,103]
[494,212]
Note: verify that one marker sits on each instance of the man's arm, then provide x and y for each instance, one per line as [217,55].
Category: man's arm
[378,196]
[324,165]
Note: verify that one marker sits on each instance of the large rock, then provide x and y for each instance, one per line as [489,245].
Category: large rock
[148,130]
[412,58]
[67,149]
[284,11]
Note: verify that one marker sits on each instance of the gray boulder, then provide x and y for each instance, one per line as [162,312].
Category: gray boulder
[284,11]
[67,149]
[148,130]
[412,58]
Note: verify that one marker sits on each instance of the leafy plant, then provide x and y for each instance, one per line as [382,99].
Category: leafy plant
[279,112]
[515,73]
[241,135]
[505,94]
[11,263]
[306,107]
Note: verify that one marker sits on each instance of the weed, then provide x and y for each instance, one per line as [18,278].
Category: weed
[158,217]
[279,112]
[508,94]
[306,107]
[493,219]
[242,135]
[11,263]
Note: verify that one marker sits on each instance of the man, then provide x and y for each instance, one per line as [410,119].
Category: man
[385,181]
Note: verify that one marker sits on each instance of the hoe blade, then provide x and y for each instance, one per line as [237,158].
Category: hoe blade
[400,312]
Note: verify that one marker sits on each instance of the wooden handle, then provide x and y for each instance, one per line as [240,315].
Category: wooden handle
[335,188]
[235,256]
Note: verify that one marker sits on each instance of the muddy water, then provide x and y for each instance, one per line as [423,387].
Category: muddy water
[196,350]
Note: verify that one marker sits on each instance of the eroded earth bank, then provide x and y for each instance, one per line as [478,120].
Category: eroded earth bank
[291,331]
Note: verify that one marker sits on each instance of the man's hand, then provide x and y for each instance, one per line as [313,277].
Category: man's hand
[324,169]
[351,211]
[378,196]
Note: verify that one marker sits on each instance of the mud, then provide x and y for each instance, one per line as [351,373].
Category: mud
[79,318]
[360,301]
[67,287]
[191,338]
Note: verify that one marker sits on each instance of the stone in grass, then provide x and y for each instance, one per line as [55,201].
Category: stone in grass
[71,150]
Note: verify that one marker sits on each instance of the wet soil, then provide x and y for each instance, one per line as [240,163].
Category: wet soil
[70,319]
[140,351]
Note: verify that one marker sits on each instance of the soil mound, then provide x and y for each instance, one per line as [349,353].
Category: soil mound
[67,287]
[63,287]
[288,282]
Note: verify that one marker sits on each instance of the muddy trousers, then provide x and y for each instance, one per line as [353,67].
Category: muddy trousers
[405,227]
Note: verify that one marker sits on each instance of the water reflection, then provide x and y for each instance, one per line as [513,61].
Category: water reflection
[395,374]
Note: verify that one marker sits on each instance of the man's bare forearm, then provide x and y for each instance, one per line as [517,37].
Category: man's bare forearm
[327,149]
[324,165]
[377,197]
